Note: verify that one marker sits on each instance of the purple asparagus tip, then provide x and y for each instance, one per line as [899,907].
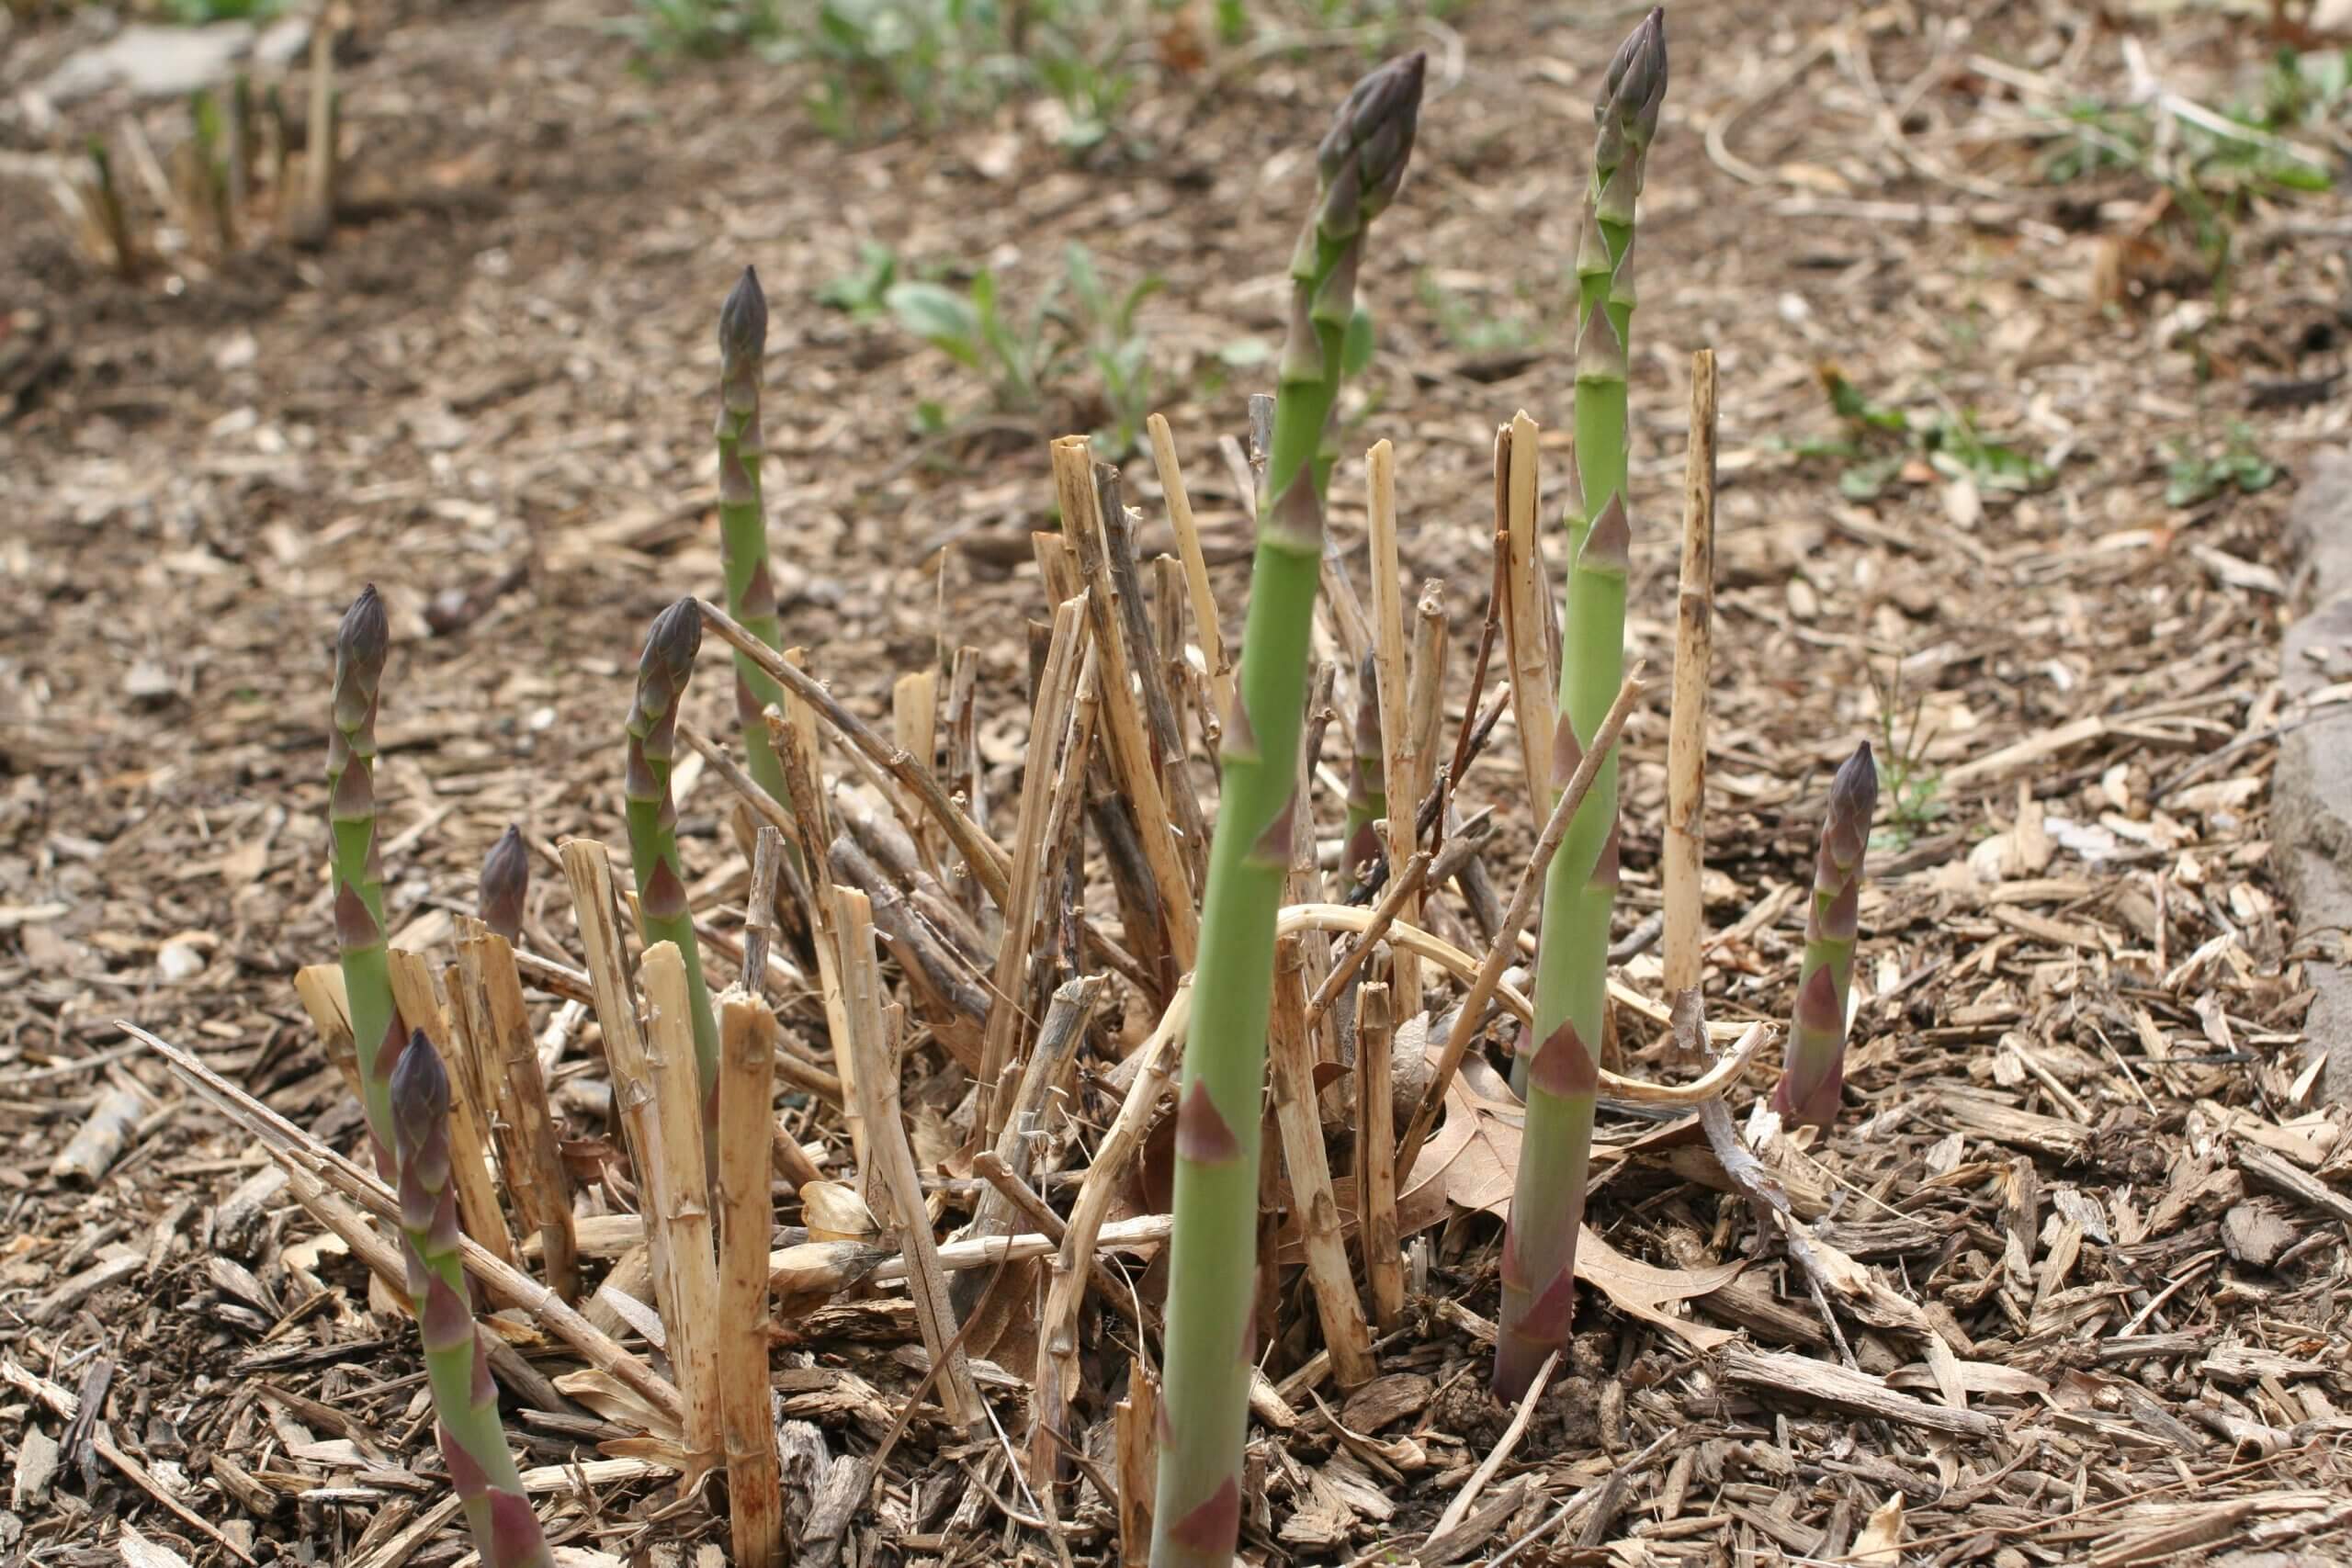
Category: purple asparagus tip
[1853,796]
[1636,81]
[420,1094]
[366,632]
[671,646]
[1374,126]
[505,883]
[744,319]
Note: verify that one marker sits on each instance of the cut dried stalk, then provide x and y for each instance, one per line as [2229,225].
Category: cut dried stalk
[1050,719]
[1473,1007]
[794,734]
[1052,1226]
[1401,891]
[988,864]
[1377,1224]
[1137,1419]
[1146,658]
[1527,600]
[588,872]
[1686,745]
[894,1161]
[1057,1338]
[492,989]
[678,1199]
[508,1286]
[1023,1111]
[747,1036]
[418,1001]
[1129,730]
[914,724]
[1168,599]
[759,908]
[1400,757]
[1291,1051]
[1196,567]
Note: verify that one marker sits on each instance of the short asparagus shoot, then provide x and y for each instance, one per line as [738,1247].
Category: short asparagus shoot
[742,515]
[361,644]
[1197,1517]
[667,664]
[473,1440]
[1816,1071]
[1560,1076]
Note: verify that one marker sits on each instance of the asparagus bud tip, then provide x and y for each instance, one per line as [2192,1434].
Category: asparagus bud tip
[366,632]
[506,881]
[743,319]
[419,1093]
[676,637]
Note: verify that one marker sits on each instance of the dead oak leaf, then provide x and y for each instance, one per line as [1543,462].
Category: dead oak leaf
[1472,1162]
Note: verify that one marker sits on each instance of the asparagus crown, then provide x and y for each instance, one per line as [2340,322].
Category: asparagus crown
[505,882]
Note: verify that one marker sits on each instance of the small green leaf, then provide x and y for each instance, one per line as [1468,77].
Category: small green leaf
[940,318]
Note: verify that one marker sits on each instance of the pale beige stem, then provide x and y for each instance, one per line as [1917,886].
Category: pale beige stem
[1399,757]
[1527,602]
[1377,1226]
[1685,743]
[1290,1055]
[418,999]
[747,1038]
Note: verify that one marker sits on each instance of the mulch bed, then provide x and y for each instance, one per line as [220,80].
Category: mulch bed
[2083,1225]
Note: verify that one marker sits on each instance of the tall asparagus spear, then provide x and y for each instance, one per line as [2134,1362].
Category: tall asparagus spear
[473,1440]
[1367,782]
[360,646]
[663,672]
[1561,1075]
[743,514]
[1816,1071]
[1360,166]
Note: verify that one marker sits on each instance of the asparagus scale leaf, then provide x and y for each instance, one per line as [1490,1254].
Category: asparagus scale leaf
[1815,1073]
[473,1440]
[1360,166]
[1560,1077]
[361,645]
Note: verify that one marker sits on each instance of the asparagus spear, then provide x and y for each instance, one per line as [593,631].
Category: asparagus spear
[663,672]
[742,515]
[1360,166]
[505,883]
[473,1441]
[1816,1059]
[1367,782]
[1561,1075]
[360,644]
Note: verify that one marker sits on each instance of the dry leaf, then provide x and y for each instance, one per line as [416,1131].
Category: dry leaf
[138,1552]
[1882,1538]
[1471,1163]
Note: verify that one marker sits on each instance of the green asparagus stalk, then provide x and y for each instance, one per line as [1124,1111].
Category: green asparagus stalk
[1816,1071]
[667,664]
[1560,1077]
[1367,783]
[505,883]
[473,1441]
[360,644]
[1197,1519]
[743,516]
